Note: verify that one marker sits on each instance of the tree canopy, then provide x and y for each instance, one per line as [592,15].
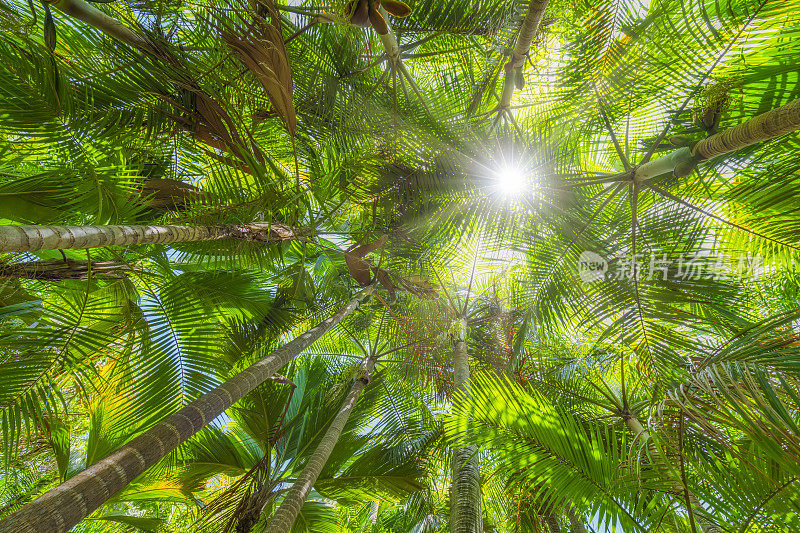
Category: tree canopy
[400,266]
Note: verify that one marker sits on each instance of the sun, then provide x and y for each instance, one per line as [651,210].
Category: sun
[511,181]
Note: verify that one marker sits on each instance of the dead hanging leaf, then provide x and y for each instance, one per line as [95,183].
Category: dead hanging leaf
[377,21]
[365,13]
[396,8]
[384,279]
[359,14]
[209,122]
[364,249]
[358,268]
[258,43]
[419,286]
[165,193]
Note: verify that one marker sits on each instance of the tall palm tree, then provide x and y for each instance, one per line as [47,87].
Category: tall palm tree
[284,517]
[23,238]
[186,186]
[67,504]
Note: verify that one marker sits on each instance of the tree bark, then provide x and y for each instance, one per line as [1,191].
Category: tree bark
[533,19]
[64,506]
[465,487]
[763,127]
[58,269]
[284,517]
[94,17]
[24,238]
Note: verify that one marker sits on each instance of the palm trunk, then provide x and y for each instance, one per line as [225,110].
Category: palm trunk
[763,127]
[533,18]
[284,517]
[552,524]
[575,522]
[389,40]
[94,17]
[23,238]
[465,487]
[639,431]
[64,506]
[57,269]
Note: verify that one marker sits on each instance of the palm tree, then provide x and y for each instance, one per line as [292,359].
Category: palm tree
[284,517]
[22,238]
[67,504]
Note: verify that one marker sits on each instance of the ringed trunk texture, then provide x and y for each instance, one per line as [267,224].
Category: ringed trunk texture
[760,128]
[284,517]
[639,431]
[59,509]
[25,238]
[533,19]
[465,487]
[763,127]
[57,269]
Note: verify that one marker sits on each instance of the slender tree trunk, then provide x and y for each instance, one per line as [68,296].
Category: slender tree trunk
[575,522]
[23,238]
[64,506]
[552,523]
[58,269]
[533,18]
[284,517]
[465,487]
[389,40]
[763,127]
[94,17]
[639,431]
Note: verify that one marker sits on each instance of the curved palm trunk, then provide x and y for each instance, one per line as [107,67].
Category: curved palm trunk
[760,128]
[24,238]
[533,18]
[284,517]
[465,487]
[639,431]
[64,506]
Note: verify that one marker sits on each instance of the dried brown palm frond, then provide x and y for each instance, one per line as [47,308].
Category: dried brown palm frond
[239,506]
[255,38]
